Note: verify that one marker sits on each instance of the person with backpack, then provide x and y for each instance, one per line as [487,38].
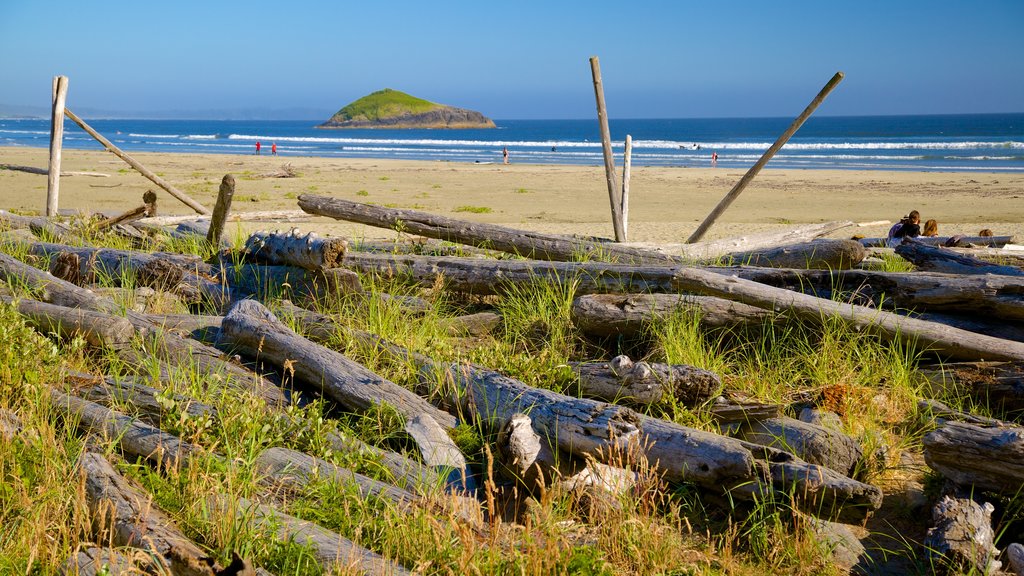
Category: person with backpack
[908,227]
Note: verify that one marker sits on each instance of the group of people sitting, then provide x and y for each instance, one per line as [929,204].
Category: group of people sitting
[910,227]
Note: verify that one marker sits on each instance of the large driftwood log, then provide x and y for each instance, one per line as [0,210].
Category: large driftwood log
[989,458]
[999,384]
[630,314]
[97,328]
[126,516]
[133,436]
[265,216]
[291,469]
[332,551]
[992,295]
[1015,559]
[290,281]
[146,400]
[95,561]
[961,539]
[290,248]
[645,382]
[822,254]
[933,259]
[711,249]
[257,332]
[46,172]
[40,226]
[815,444]
[992,241]
[440,452]
[995,327]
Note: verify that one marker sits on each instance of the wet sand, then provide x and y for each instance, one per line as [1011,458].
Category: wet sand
[666,204]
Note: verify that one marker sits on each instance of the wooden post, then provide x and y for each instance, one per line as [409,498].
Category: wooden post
[60,92]
[609,160]
[220,210]
[135,164]
[627,164]
[738,188]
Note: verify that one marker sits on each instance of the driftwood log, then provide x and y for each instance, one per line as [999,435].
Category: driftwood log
[630,314]
[95,561]
[822,254]
[257,332]
[1015,559]
[478,324]
[645,382]
[97,328]
[148,208]
[145,400]
[988,458]
[711,249]
[290,281]
[440,452]
[46,172]
[332,551]
[995,327]
[934,259]
[961,539]
[126,516]
[307,251]
[998,384]
[815,444]
[992,241]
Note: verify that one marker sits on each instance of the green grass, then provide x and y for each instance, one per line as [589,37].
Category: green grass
[473,209]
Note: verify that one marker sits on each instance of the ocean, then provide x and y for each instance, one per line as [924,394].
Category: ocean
[970,142]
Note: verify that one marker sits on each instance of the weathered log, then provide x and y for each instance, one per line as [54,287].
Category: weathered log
[479,324]
[998,384]
[992,241]
[94,561]
[940,413]
[290,281]
[644,382]
[286,171]
[266,215]
[147,209]
[1004,256]
[440,452]
[825,254]
[46,172]
[290,248]
[995,327]
[331,550]
[815,444]
[134,437]
[292,469]
[1015,558]
[126,516]
[39,225]
[713,249]
[988,458]
[220,210]
[97,328]
[531,462]
[934,259]
[630,314]
[726,413]
[257,332]
[149,402]
[10,424]
[961,539]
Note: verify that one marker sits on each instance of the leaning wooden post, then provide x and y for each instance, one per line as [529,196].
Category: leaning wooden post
[135,164]
[738,188]
[609,160]
[627,163]
[60,92]
[220,210]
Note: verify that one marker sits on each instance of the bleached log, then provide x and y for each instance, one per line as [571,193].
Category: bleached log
[39,225]
[291,281]
[961,539]
[266,215]
[331,550]
[630,314]
[147,209]
[290,248]
[815,444]
[125,515]
[257,332]
[934,259]
[645,382]
[991,241]
[97,328]
[440,452]
[46,172]
[289,468]
[988,458]
[824,254]
[712,249]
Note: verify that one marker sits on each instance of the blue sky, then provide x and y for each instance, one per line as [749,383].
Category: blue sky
[520,59]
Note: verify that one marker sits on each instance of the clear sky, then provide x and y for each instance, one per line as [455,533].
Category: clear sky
[519,58]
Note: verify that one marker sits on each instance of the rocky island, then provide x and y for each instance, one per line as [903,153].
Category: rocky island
[393,109]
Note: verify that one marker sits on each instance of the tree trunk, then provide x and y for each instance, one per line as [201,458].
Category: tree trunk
[987,458]
[332,551]
[630,314]
[961,538]
[932,259]
[126,516]
[257,332]
[645,383]
[815,444]
[821,254]
[292,469]
[289,248]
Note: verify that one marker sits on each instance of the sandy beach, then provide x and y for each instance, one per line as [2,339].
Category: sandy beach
[666,203]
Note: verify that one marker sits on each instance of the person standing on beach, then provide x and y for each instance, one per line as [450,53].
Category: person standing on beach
[714,158]
[504,154]
[273,148]
[257,147]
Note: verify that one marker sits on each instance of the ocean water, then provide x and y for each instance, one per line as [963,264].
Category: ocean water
[974,142]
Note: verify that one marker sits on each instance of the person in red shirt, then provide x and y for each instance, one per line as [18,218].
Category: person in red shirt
[257,147]
[714,158]
[273,149]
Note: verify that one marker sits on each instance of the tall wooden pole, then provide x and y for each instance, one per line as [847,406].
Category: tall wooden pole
[738,188]
[139,167]
[221,209]
[609,160]
[627,164]
[60,92]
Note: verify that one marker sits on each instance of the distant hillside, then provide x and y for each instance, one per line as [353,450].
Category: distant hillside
[393,109]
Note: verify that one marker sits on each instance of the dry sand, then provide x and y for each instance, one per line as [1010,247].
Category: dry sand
[666,203]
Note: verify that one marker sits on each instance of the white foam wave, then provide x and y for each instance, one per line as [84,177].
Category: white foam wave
[43,132]
[201,137]
[134,135]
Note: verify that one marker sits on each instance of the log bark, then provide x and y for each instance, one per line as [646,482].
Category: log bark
[221,209]
[60,93]
[479,324]
[1015,559]
[995,327]
[94,561]
[126,516]
[987,458]
[940,413]
[147,401]
[631,314]
[257,332]
[997,384]
[645,383]
[134,437]
[39,225]
[934,259]
[823,254]
[292,469]
[290,282]
[290,248]
[815,444]
[990,241]
[148,208]
[440,452]
[961,539]
[97,328]
[331,550]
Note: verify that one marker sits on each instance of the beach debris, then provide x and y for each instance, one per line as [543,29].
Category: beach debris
[285,171]
[293,248]
[936,259]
